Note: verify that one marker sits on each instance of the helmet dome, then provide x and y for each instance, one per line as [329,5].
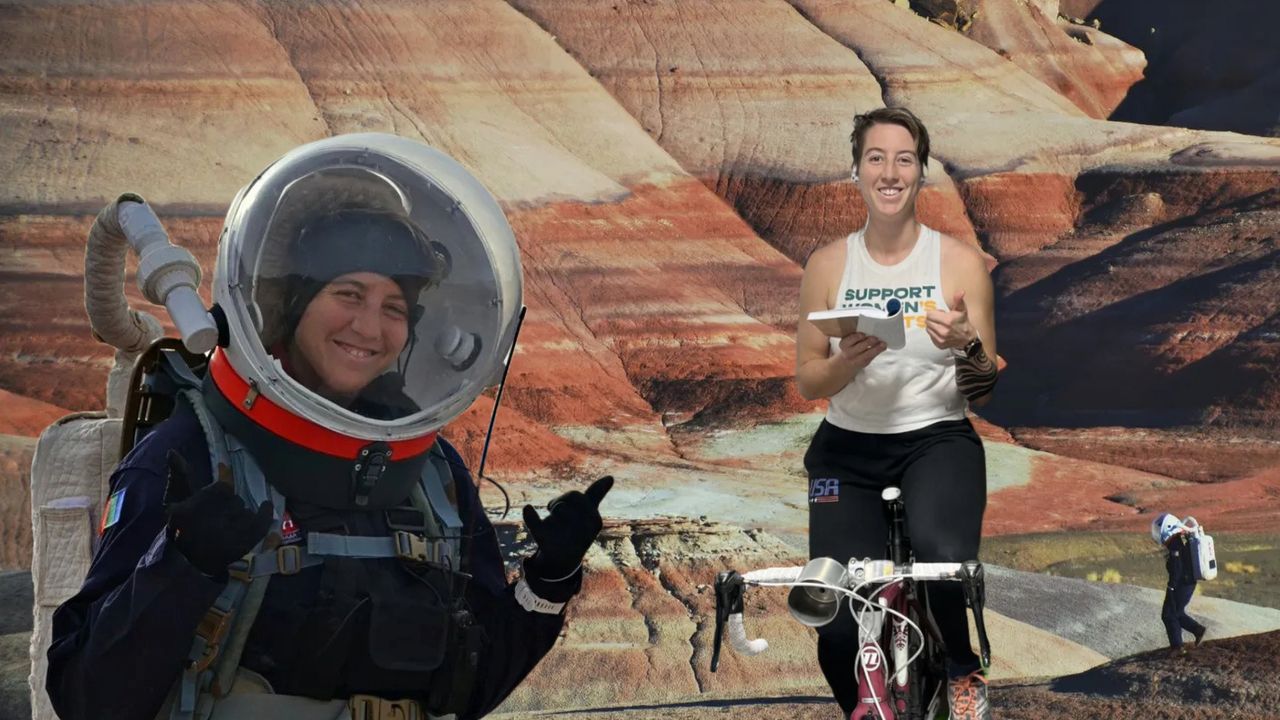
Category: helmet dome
[431,292]
[1165,526]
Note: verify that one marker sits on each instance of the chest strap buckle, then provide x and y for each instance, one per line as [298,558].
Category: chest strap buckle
[371,707]
[415,549]
[289,559]
[211,631]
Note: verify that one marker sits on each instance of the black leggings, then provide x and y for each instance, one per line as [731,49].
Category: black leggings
[942,473]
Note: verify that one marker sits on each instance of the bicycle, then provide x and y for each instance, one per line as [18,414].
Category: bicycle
[916,661]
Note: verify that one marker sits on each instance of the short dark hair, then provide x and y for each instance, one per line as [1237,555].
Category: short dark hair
[890,116]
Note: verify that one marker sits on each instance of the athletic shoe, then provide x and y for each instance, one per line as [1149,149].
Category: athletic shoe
[1199,635]
[967,697]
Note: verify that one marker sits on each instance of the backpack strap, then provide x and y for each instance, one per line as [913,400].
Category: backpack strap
[438,500]
[252,487]
[292,559]
[224,629]
[213,435]
[435,540]
[222,632]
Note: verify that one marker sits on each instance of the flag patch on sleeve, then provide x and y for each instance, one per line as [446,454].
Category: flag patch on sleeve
[111,513]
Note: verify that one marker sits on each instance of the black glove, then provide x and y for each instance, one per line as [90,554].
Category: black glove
[566,534]
[211,528]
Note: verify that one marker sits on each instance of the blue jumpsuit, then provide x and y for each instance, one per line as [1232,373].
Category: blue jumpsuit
[120,643]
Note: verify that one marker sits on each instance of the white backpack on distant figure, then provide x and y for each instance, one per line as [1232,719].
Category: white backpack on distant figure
[1203,558]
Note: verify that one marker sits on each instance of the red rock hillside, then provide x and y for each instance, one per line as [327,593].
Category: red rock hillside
[667,168]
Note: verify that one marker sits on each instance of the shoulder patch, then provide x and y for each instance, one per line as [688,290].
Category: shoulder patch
[111,513]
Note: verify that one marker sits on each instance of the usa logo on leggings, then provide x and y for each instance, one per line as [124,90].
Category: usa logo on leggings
[824,490]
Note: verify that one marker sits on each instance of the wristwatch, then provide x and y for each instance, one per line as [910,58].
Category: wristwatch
[970,349]
[531,602]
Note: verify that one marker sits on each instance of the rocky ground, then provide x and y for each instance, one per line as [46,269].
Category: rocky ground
[638,639]
[1229,679]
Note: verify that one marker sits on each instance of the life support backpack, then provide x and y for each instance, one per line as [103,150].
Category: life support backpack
[70,473]
[1204,560]
[70,476]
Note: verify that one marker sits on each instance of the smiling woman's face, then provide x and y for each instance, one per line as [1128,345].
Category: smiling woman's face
[350,333]
[889,170]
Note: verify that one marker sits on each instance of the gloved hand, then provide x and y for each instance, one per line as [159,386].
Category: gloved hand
[211,528]
[566,534]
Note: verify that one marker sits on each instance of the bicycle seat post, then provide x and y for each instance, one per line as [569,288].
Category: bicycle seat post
[895,510]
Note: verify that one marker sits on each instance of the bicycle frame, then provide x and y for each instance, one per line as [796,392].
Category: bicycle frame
[895,596]
[914,697]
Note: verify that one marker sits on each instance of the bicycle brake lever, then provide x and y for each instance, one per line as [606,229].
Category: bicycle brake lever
[975,596]
[729,591]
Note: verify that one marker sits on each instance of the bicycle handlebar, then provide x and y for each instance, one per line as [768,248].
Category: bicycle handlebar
[860,571]
[730,588]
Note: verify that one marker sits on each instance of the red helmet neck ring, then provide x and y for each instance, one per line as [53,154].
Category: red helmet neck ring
[297,430]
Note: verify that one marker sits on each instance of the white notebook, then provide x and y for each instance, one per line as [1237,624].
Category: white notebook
[886,324]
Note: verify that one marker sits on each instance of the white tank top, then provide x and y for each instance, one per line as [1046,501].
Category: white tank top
[907,389]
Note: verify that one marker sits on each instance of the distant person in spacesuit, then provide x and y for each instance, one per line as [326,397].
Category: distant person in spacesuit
[1172,534]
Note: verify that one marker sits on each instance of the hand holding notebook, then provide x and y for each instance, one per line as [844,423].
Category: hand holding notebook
[886,324]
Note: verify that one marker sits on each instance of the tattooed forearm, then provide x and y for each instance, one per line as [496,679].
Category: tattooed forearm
[976,376]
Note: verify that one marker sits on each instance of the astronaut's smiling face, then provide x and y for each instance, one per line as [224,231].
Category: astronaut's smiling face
[351,332]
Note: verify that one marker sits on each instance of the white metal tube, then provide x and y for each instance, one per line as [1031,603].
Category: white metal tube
[168,275]
[198,331]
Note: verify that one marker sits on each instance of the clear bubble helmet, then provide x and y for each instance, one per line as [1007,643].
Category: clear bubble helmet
[381,204]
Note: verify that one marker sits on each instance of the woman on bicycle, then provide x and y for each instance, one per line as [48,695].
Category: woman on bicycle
[898,417]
